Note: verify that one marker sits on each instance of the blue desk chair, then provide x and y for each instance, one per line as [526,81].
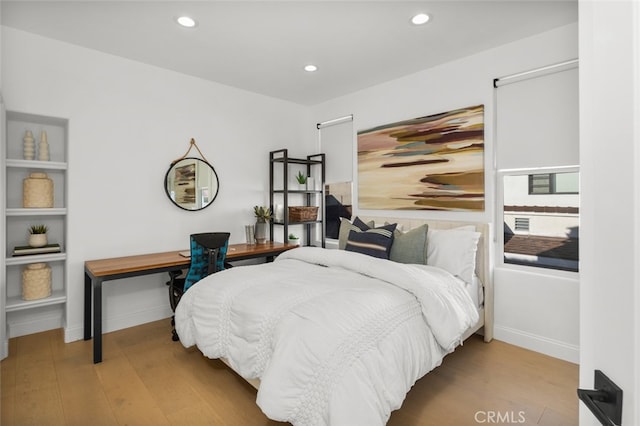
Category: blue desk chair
[208,253]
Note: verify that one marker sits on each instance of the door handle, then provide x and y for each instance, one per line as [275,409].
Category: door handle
[605,402]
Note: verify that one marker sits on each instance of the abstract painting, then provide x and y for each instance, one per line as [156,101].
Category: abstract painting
[185,184]
[428,163]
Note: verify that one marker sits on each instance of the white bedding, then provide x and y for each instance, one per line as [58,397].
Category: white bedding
[335,337]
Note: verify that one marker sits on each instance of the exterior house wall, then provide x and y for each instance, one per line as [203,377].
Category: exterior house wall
[516,193]
[548,225]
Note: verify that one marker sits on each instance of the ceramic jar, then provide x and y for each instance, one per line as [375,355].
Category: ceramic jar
[37,191]
[36,281]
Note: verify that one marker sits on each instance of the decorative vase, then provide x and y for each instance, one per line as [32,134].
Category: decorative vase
[29,146]
[38,240]
[311,184]
[36,281]
[43,148]
[278,213]
[37,191]
[261,231]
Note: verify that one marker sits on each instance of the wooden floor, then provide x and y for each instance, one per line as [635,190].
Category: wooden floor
[147,379]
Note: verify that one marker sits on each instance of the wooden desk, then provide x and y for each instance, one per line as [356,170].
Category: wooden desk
[98,271]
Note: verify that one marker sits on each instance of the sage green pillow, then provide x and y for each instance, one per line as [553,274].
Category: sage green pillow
[410,246]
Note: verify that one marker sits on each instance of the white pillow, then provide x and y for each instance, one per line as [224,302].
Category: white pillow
[454,250]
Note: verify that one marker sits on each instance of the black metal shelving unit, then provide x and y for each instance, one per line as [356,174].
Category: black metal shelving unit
[310,197]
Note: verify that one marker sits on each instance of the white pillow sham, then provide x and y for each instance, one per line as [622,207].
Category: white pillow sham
[454,250]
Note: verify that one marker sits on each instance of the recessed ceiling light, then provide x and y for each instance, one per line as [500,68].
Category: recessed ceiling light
[186,21]
[310,68]
[420,19]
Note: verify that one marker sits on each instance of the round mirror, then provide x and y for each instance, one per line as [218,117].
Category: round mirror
[191,184]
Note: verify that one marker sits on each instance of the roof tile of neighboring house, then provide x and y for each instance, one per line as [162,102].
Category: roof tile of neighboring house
[542,209]
[536,245]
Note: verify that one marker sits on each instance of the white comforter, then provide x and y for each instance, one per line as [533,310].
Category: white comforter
[336,337]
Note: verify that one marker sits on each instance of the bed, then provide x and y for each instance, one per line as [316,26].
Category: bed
[338,337]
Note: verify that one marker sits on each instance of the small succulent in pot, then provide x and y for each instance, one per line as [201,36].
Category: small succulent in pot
[294,239]
[301,178]
[38,229]
[38,235]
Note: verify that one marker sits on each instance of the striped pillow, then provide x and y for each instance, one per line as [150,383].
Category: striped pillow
[374,242]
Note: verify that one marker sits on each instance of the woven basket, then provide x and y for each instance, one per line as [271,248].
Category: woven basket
[36,281]
[303,214]
[37,191]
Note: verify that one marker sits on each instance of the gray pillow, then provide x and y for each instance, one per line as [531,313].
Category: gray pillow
[410,246]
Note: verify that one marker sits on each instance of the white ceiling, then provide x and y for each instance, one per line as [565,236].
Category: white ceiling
[262,46]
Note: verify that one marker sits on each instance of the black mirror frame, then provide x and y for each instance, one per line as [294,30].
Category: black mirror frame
[166,189]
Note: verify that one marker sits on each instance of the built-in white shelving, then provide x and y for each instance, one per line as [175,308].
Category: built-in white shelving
[58,297]
[48,312]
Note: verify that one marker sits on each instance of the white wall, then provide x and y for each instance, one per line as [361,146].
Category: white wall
[610,231]
[127,122]
[521,296]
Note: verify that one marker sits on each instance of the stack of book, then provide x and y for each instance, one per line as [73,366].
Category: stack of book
[26,250]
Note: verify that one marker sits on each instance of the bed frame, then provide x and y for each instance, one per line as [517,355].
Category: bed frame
[484,326]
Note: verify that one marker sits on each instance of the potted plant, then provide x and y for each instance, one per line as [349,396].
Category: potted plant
[302,180]
[263,215]
[293,239]
[38,235]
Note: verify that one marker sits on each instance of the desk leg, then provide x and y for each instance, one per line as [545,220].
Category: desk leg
[97,320]
[87,307]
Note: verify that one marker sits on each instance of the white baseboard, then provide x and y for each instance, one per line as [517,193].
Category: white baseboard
[35,325]
[551,347]
[76,332]
[72,334]
[544,345]
[4,350]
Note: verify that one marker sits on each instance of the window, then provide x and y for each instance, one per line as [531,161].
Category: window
[541,229]
[536,157]
[553,183]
